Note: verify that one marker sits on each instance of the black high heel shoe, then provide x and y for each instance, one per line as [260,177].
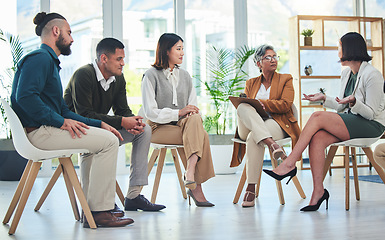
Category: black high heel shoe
[272,174]
[315,207]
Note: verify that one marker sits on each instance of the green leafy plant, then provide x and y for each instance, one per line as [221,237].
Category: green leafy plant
[6,75]
[307,32]
[224,76]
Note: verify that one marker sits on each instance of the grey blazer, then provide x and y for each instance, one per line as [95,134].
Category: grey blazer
[368,91]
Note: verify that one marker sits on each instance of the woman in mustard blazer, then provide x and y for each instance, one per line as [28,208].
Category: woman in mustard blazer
[276,93]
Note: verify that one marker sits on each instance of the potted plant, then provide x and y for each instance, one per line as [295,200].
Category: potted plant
[11,163]
[224,78]
[307,33]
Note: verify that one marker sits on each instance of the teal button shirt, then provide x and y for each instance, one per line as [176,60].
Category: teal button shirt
[37,93]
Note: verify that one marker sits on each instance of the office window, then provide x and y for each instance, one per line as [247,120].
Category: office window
[85,19]
[268,22]
[26,11]
[143,23]
[375,8]
[208,22]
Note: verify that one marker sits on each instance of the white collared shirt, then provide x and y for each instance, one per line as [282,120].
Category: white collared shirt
[173,77]
[150,106]
[103,82]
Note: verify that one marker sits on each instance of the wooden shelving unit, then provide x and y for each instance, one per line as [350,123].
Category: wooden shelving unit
[368,27]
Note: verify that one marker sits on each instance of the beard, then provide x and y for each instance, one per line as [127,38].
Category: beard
[64,49]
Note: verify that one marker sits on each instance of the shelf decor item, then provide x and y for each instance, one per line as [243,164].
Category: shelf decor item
[307,33]
[308,70]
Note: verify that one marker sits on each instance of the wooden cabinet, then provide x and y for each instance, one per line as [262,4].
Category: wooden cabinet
[322,55]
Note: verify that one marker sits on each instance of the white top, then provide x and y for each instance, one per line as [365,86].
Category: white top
[263,93]
[103,82]
[164,115]
[173,77]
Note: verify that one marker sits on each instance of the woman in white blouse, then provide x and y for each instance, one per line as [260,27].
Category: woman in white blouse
[170,105]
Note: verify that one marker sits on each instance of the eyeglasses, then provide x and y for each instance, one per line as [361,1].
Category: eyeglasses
[269,58]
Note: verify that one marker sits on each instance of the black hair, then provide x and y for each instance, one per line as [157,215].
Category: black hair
[42,18]
[108,46]
[354,48]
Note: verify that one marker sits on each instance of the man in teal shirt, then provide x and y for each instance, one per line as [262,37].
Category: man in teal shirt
[37,100]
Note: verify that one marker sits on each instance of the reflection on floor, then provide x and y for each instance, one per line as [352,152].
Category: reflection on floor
[267,220]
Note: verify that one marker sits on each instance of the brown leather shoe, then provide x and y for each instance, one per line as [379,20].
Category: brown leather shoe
[108,219]
[117,211]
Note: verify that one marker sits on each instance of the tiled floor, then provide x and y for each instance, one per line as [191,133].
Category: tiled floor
[267,220]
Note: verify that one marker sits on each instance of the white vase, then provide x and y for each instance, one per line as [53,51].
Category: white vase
[221,151]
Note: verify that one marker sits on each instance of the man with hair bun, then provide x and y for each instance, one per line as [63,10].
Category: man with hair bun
[37,100]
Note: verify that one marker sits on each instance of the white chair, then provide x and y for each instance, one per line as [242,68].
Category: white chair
[35,156]
[363,143]
[160,152]
[274,163]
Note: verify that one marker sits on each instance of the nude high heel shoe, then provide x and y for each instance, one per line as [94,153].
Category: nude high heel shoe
[246,203]
[277,151]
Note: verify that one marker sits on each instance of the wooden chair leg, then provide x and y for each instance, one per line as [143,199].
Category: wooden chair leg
[71,195]
[355,173]
[369,153]
[119,193]
[299,187]
[178,172]
[241,184]
[68,167]
[183,157]
[274,163]
[151,162]
[18,192]
[49,187]
[24,196]
[347,188]
[158,174]
[329,159]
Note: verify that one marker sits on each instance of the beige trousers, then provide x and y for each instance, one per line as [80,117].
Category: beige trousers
[379,155]
[98,168]
[254,129]
[188,132]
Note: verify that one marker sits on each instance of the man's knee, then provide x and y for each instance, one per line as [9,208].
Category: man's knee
[111,139]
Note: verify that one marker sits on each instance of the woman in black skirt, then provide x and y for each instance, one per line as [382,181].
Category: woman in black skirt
[360,114]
